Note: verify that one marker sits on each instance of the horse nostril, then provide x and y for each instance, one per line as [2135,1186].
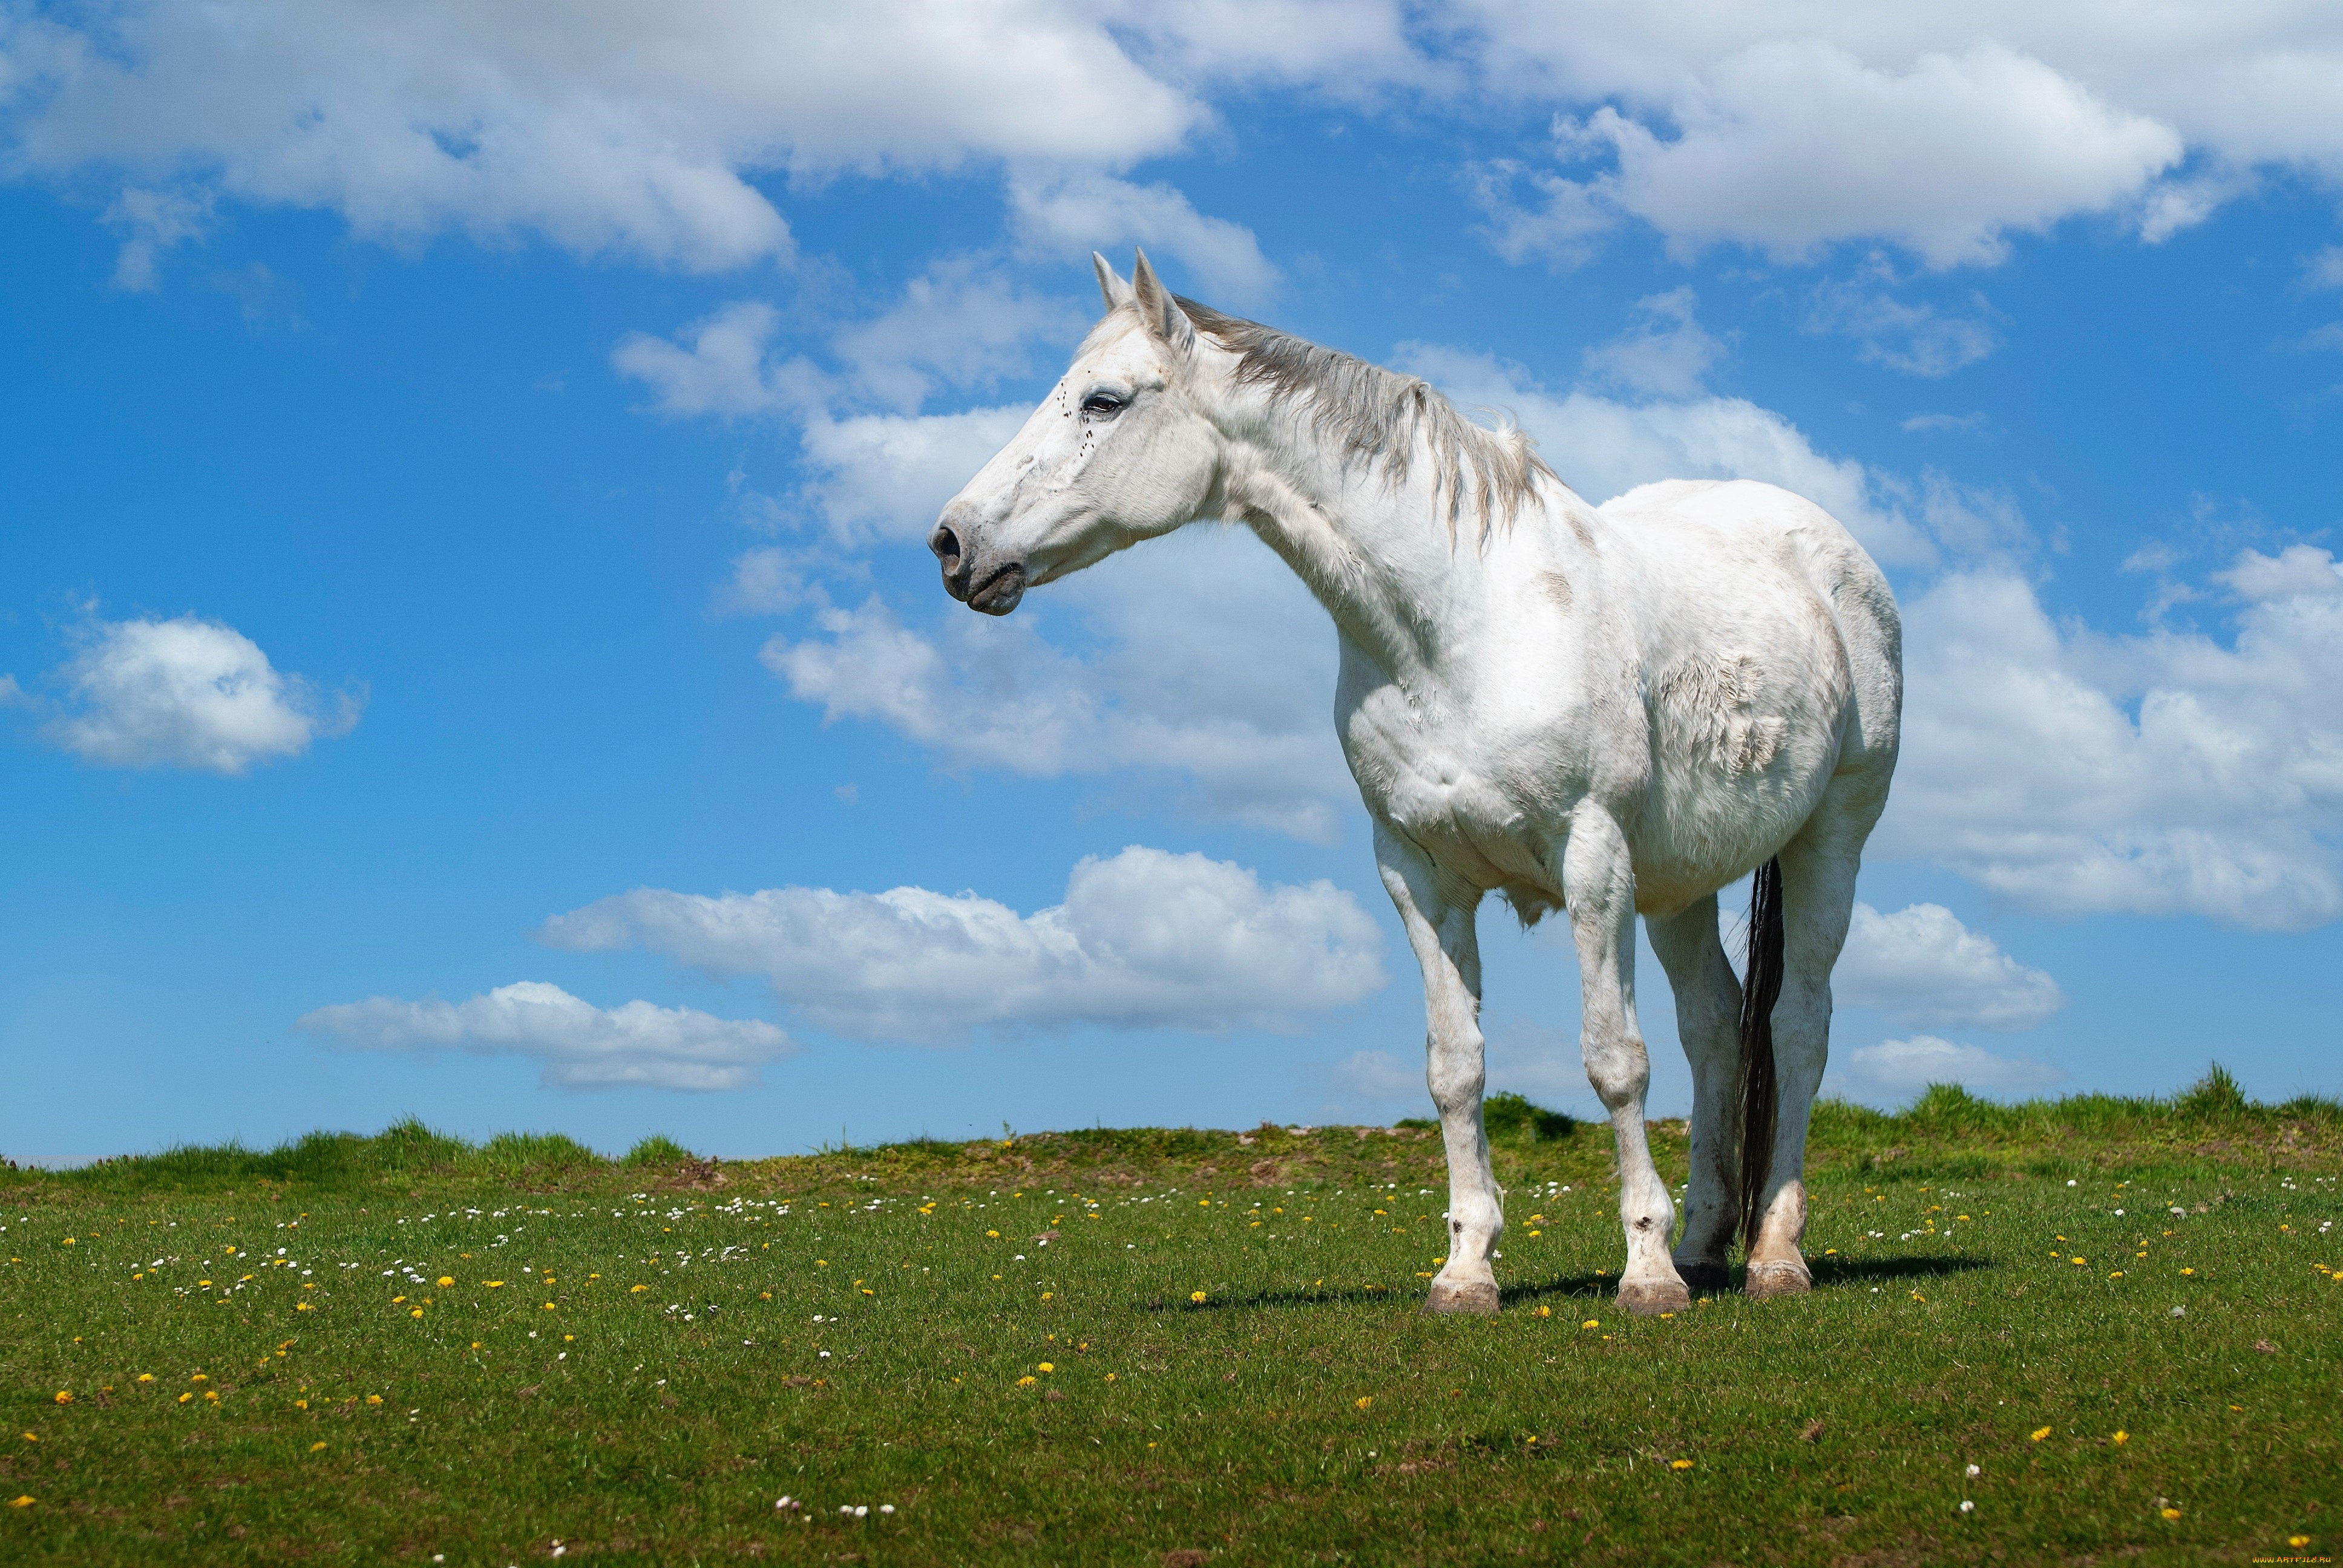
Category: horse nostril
[946,544]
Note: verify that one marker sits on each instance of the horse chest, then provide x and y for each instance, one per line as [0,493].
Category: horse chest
[1430,777]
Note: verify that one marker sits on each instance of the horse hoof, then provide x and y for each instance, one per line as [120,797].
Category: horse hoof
[1706,1276]
[1469,1298]
[1767,1280]
[1643,1298]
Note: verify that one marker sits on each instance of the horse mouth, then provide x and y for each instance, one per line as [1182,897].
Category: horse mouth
[999,593]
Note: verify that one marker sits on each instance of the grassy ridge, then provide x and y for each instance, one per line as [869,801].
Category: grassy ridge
[1176,1347]
[1945,1133]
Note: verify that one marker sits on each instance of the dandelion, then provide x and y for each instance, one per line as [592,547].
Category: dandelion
[32,1437]
[1048,1367]
[414,1312]
[145,1377]
[64,1396]
[186,1397]
[1197,1297]
[446,1281]
[2121,1438]
[1680,1464]
[1545,1312]
[2169,1513]
[1364,1401]
[2188,1271]
[1592,1324]
[316,1447]
[637,1290]
[20,1502]
[2040,1435]
[2298,1542]
[1025,1382]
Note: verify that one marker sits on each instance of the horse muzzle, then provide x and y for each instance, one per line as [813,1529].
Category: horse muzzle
[993,590]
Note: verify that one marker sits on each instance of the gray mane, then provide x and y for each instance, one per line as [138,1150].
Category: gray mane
[1377,416]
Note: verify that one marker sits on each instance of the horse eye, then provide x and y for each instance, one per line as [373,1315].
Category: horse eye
[1102,403]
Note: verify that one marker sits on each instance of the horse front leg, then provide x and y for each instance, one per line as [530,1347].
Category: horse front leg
[1441,928]
[1598,878]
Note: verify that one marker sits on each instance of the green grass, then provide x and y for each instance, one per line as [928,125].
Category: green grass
[1303,1411]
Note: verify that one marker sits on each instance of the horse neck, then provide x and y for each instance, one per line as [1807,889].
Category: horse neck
[1379,556]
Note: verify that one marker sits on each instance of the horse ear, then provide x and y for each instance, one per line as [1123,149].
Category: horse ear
[1162,313]
[1113,288]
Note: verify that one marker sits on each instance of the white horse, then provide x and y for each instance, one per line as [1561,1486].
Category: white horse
[1613,712]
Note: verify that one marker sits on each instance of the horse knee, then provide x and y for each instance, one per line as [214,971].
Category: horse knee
[1620,1075]
[1456,1079]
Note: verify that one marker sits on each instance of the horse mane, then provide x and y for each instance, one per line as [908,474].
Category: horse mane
[1377,416]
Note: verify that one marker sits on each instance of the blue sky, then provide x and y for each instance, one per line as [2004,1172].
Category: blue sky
[466,479]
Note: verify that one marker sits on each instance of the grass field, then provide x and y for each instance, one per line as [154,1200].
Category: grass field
[1179,1348]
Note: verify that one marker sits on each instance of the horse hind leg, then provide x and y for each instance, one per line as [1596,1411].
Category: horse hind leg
[1708,1003]
[1818,873]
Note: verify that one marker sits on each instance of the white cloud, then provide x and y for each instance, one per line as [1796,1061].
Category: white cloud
[722,372]
[1664,355]
[185,693]
[1068,215]
[1604,447]
[1205,661]
[1923,966]
[653,132]
[1930,423]
[13,695]
[2324,270]
[1143,939]
[882,477]
[2163,773]
[580,1045]
[772,581]
[1913,338]
[154,222]
[959,325]
[1791,145]
[1939,126]
[603,128]
[1897,1070]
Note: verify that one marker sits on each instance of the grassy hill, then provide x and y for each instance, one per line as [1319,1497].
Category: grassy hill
[1177,1346]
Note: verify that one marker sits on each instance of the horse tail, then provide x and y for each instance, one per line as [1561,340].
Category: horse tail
[1755,1090]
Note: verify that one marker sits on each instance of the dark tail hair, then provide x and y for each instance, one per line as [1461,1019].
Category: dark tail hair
[1756,1091]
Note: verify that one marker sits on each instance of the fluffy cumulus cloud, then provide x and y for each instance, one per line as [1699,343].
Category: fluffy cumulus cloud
[1604,446]
[647,132]
[604,129]
[2165,772]
[1939,127]
[182,693]
[1924,968]
[1143,939]
[1895,1071]
[580,1046]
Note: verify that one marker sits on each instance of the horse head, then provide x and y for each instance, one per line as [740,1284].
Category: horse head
[1119,451]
